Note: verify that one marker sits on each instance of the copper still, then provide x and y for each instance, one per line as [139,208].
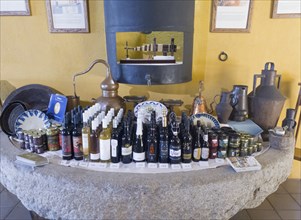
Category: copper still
[266,101]
[199,104]
[110,97]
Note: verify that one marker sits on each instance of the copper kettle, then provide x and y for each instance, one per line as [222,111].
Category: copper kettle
[110,97]
[199,104]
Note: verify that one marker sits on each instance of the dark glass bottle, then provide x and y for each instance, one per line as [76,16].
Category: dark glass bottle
[186,143]
[163,143]
[205,147]
[175,145]
[94,143]
[115,146]
[77,140]
[152,144]
[65,136]
[197,146]
[138,147]
[126,148]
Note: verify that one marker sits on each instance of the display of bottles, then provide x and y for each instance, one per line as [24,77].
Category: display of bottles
[186,143]
[152,142]
[94,143]
[115,145]
[205,147]
[105,142]
[197,146]
[175,144]
[86,132]
[65,137]
[126,148]
[138,147]
[77,139]
[163,141]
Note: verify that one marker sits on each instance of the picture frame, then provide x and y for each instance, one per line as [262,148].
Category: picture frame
[67,16]
[286,9]
[14,8]
[231,16]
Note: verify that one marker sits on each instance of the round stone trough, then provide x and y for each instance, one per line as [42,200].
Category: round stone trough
[59,192]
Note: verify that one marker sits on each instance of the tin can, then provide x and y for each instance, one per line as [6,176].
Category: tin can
[20,135]
[251,140]
[52,139]
[251,149]
[244,143]
[37,139]
[231,152]
[26,145]
[243,152]
[42,132]
[32,147]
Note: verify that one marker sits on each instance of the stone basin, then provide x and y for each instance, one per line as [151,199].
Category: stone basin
[54,191]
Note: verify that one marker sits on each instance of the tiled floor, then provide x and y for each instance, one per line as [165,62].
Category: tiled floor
[284,204]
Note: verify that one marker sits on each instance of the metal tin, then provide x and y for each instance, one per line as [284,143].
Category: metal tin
[39,149]
[251,149]
[234,139]
[26,145]
[244,143]
[231,152]
[243,152]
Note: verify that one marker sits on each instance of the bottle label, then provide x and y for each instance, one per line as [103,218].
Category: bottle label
[77,146]
[114,144]
[174,153]
[163,148]
[126,150]
[186,156]
[94,156]
[66,145]
[205,153]
[85,140]
[104,148]
[139,156]
[197,153]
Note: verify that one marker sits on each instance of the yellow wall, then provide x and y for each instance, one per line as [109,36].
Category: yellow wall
[30,54]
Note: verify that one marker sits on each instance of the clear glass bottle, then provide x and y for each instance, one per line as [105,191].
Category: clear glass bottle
[94,145]
[105,142]
[86,132]
[205,147]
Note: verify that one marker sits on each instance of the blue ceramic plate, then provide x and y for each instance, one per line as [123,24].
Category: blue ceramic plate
[32,119]
[147,107]
[206,119]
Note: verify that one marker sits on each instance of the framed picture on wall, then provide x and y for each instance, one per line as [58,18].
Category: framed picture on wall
[286,9]
[16,7]
[231,15]
[67,16]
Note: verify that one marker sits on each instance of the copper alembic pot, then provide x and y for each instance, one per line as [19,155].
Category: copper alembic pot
[110,97]
[199,104]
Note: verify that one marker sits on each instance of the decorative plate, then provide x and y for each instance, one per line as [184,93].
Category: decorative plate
[206,119]
[32,119]
[148,106]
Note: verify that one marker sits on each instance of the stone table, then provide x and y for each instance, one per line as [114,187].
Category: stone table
[56,191]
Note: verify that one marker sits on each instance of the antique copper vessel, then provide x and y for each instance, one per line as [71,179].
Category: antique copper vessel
[199,104]
[110,97]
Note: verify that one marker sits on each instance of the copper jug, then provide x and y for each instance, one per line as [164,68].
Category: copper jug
[199,104]
[266,101]
[109,98]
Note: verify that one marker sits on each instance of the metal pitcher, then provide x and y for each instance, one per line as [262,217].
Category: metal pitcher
[223,109]
[266,101]
[239,103]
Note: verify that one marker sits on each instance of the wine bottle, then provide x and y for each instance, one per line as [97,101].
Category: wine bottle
[94,150]
[115,146]
[77,139]
[138,147]
[65,137]
[105,142]
[86,132]
[152,143]
[126,148]
[163,143]
[205,147]
[197,146]
[175,145]
[186,143]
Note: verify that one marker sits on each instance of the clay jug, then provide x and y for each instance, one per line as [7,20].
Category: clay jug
[223,109]
[266,101]
[239,103]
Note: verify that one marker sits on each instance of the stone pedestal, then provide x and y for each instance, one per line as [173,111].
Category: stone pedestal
[55,191]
